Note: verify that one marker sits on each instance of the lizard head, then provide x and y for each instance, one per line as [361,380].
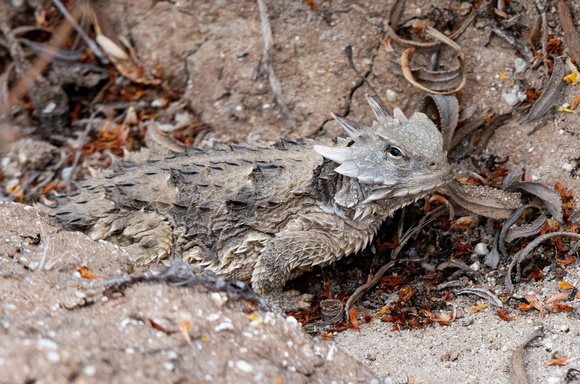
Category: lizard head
[396,157]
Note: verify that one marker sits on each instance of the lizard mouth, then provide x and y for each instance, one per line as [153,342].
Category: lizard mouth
[383,193]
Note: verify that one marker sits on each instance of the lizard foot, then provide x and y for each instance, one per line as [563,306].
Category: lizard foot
[289,301]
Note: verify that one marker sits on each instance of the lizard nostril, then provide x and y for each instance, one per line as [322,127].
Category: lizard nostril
[433,165]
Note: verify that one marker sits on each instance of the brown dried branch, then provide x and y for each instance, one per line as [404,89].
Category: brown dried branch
[569,29]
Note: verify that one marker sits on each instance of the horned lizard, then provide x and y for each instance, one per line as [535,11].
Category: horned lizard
[263,214]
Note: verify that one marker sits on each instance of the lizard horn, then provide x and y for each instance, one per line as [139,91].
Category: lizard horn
[380,112]
[353,129]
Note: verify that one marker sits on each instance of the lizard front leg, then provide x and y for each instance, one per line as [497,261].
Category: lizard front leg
[287,255]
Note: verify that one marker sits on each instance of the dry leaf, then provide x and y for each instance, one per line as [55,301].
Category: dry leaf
[353,320]
[503,316]
[158,327]
[568,261]
[85,273]
[185,325]
[562,361]
[566,285]
[575,102]
[558,297]
[560,307]
[477,309]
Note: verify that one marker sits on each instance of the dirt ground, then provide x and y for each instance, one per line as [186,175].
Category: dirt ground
[59,327]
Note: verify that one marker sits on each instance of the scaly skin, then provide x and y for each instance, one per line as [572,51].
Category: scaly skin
[263,214]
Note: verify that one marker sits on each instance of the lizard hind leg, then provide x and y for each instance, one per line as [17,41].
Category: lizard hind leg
[286,256]
[146,236]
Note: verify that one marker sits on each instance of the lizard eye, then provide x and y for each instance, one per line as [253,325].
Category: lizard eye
[394,152]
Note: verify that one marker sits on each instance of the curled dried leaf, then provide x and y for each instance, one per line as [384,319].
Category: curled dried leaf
[483,200]
[408,74]
[551,94]
[448,109]
[395,16]
[551,198]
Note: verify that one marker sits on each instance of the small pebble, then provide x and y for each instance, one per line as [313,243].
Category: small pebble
[480,249]
[157,103]
[224,326]
[529,146]
[90,370]
[520,65]
[244,366]
[511,98]
[53,357]
[49,108]
[391,95]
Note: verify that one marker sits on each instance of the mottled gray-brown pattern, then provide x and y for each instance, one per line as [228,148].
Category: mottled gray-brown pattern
[263,213]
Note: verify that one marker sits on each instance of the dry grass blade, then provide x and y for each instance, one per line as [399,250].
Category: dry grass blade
[156,138]
[435,80]
[492,258]
[535,34]
[483,293]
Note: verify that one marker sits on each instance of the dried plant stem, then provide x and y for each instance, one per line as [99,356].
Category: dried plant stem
[268,43]
[90,43]
[569,29]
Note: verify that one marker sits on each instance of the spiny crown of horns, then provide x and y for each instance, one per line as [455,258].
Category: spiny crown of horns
[414,138]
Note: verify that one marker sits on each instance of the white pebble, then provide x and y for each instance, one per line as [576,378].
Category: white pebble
[90,370]
[520,64]
[53,357]
[480,249]
[46,344]
[224,326]
[244,366]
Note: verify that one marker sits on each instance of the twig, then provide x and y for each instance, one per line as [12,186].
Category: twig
[46,242]
[81,141]
[91,44]
[483,293]
[360,291]
[512,41]
[27,79]
[569,29]
[268,43]
[545,44]
[521,255]
[507,225]
[517,371]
